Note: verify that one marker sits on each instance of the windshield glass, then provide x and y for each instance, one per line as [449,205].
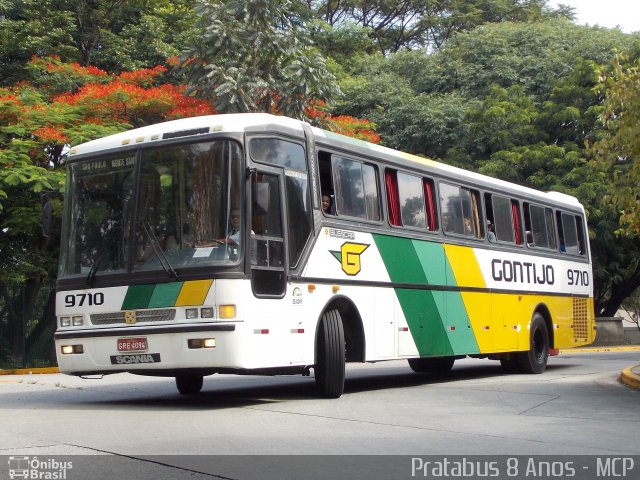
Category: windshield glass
[186,214]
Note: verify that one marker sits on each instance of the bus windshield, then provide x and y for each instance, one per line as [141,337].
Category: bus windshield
[179,209]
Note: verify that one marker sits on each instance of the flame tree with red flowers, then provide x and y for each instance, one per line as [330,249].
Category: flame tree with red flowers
[62,104]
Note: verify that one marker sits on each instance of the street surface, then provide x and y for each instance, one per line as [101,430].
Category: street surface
[578,406]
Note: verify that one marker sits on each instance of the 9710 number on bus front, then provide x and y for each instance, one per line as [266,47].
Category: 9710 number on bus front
[81,299]
[579,278]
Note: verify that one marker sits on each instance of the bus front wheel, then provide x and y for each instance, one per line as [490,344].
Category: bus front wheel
[535,359]
[189,384]
[329,369]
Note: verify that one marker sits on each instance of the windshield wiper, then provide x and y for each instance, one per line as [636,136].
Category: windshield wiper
[166,265]
[94,268]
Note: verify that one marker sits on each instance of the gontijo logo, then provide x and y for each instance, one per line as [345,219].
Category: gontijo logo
[349,257]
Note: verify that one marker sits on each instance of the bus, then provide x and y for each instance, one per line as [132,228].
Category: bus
[200,246]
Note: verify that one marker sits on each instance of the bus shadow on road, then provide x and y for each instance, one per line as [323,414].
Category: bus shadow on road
[224,392]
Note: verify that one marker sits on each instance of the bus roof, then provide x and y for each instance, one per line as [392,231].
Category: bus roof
[243,122]
[233,123]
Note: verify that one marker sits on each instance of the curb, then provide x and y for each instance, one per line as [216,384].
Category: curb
[626,348]
[30,371]
[631,378]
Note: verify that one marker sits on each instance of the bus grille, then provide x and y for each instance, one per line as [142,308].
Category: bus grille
[114,318]
[580,319]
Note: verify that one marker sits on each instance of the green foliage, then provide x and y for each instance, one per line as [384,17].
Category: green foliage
[32,27]
[110,34]
[619,145]
[394,25]
[248,55]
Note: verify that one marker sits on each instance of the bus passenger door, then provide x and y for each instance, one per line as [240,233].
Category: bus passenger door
[267,248]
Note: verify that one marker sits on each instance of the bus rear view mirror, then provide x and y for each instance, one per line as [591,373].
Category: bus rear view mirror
[260,198]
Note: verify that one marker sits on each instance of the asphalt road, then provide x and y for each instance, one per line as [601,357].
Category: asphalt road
[578,406]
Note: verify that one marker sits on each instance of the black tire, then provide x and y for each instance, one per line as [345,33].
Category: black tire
[189,384]
[535,359]
[330,355]
[431,365]
[510,364]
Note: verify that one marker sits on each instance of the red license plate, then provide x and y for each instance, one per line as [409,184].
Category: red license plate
[137,344]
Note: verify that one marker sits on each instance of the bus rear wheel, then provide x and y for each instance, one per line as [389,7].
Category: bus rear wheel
[329,369]
[431,365]
[535,359]
[189,384]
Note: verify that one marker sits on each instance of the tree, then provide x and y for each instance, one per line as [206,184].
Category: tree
[631,306]
[255,57]
[397,25]
[65,103]
[619,145]
[114,35]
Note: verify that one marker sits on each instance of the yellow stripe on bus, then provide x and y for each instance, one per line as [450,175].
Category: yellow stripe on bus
[193,293]
[467,273]
[465,266]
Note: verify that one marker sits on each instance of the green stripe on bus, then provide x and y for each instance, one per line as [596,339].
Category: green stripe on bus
[165,295]
[422,309]
[138,296]
[438,321]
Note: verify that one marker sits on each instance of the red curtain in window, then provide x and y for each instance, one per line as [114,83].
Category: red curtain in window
[393,202]
[516,221]
[431,207]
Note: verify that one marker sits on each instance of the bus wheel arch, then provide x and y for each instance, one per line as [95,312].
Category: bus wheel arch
[352,325]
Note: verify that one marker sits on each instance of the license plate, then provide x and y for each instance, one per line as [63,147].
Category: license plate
[138,344]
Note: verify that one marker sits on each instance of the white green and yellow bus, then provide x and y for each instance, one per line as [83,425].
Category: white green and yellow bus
[200,246]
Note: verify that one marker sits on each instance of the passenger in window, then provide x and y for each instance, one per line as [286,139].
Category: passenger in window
[446,223]
[326,204]
[529,237]
[490,233]
[563,249]
[468,228]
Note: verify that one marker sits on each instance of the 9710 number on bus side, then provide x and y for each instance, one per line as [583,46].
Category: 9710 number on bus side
[80,299]
[579,278]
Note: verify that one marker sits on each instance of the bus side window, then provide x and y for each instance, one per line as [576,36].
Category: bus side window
[460,211]
[356,188]
[411,194]
[539,226]
[569,232]
[326,181]
[499,219]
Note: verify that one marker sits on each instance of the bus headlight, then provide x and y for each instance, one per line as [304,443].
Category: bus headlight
[70,349]
[77,320]
[65,321]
